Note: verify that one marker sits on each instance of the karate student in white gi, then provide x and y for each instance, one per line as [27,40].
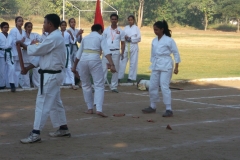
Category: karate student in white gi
[114,35]
[7,69]
[132,38]
[52,61]
[68,39]
[162,67]
[91,65]
[17,34]
[77,33]
[30,38]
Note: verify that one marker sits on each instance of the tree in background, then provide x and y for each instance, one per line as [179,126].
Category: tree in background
[231,8]
[206,8]
[8,8]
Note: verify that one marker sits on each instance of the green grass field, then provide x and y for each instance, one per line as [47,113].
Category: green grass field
[204,54]
[207,54]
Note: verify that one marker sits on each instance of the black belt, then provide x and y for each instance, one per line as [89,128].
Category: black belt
[114,49]
[41,72]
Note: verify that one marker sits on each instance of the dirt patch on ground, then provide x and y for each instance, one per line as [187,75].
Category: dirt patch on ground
[205,125]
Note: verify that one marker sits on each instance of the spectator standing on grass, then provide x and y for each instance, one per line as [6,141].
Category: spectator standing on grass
[115,36]
[132,38]
[162,67]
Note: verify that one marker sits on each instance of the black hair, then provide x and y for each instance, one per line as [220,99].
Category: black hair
[16,19]
[26,24]
[70,20]
[132,16]
[163,24]
[96,27]
[4,24]
[114,15]
[54,19]
[63,22]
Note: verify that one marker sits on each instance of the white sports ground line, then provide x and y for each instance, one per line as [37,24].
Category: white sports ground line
[132,129]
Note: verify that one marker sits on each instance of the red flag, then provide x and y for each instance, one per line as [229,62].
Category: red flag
[98,15]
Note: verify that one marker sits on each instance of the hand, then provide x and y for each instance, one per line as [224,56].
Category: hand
[122,56]
[24,71]
[81,31]
[23,39]
[19,42]
[112,69]
[69,32]
[75,73]
[34,42]
[175,71]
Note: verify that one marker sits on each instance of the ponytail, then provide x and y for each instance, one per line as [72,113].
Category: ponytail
[163,24]
[166,31]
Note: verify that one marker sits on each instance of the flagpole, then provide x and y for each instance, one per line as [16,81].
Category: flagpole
[101,6]
[63,10]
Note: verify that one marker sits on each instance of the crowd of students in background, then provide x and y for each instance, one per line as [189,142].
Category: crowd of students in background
[123,44]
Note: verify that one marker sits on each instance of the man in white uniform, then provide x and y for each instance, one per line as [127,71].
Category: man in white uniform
[52,61]
[91,64]
[114,36]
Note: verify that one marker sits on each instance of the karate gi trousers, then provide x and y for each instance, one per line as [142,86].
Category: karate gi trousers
[50,103]
[160,78]
[94,69]
[115,58]
[132,53]
[2,72]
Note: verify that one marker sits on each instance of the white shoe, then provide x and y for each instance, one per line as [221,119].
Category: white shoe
[60,133]
[32,138]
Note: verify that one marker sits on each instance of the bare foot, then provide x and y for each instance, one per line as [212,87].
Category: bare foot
[101,114]
[89,111]
[74,87]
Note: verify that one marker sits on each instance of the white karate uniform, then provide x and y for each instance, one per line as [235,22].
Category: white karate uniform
[162,67]
[16,36]
[91,65]
[113,37]
[52,57]
[74,47]
[25,79]
[69,76]
[7,68]
[131,51]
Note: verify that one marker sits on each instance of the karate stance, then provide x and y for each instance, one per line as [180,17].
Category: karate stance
[114,36]
[162,67]
[132,38]
[52,61]
[91,65]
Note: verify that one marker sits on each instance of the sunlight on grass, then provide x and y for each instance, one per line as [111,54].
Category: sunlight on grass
[204,54]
